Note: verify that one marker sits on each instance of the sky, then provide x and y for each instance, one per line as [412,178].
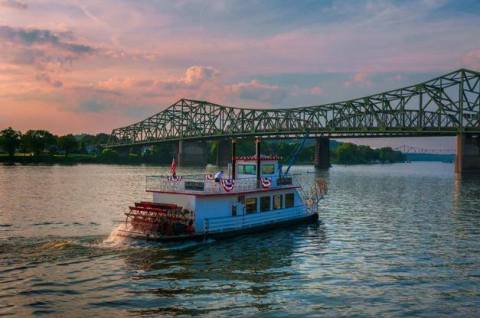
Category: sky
[90,66]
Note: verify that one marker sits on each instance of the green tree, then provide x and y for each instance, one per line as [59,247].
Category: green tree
[346,153]
[68,144]
[109,155]
[10,140]
[37,141]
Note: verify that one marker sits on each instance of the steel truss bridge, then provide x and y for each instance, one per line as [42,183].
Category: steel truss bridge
[423,150]
[446,105]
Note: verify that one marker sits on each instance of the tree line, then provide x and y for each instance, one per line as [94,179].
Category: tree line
[43,142]
[340,153]
[348,153]
[43,146]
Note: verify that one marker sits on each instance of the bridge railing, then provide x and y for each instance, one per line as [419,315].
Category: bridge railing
[201,184]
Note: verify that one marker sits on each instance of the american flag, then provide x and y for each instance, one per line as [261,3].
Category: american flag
[173,168]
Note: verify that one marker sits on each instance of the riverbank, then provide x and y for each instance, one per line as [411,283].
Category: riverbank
[74,159]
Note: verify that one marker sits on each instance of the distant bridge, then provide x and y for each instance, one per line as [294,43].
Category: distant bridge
[441,106]
[445,105]
[424,150]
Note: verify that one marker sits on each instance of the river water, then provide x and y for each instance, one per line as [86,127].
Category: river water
[396,240]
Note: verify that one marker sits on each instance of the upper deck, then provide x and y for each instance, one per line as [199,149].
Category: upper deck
[206,185]
[249,174]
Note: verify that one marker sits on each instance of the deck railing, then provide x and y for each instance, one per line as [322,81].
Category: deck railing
[204,184]
[221,224]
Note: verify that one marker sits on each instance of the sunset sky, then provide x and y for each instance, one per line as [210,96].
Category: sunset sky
[90,66]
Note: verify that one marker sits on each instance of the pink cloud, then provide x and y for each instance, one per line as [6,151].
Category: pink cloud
[360,79]
[117,83]
[44,77]
[196,74]
[193,77]
[258,91]
[316,90]
[471,59]
[13,4]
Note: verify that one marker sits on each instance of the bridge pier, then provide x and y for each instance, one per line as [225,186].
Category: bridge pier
[191,153]
[224,148]
[467,158]
[322,153]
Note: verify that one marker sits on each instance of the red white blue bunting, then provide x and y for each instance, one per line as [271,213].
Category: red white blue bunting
[174,178]
[266,182]
[262,158]
[228,184]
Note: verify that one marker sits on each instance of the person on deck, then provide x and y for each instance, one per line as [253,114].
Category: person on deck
[219,176]
[190,230]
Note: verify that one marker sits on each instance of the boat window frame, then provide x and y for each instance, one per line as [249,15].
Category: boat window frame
[262,198]
[246,205]
[292,195]
[280,195]
[264,165]
[242,170]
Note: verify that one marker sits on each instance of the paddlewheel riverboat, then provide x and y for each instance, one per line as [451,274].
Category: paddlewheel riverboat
[253,196]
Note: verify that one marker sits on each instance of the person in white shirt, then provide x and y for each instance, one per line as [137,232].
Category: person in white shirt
[218,176]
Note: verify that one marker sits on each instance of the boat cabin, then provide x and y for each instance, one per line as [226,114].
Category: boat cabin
[246,166]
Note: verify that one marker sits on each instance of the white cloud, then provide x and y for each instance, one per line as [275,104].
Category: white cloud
[196,74]
[258,91]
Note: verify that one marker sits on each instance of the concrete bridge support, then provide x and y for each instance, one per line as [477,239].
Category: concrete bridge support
[192,153]
[322,153]
[224,152]
[467,158]
[123,152]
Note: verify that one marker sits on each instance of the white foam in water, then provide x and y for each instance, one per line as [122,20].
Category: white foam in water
[115,239]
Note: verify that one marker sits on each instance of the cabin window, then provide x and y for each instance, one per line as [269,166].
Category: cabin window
[247,169]
[265,204]
[289,200]
[268,168]
[251,205]
[277,201]
[241,199]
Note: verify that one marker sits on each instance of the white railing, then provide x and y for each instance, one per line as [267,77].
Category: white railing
[200,184]
[229,223]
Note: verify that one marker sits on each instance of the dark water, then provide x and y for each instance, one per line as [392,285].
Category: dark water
[397,240]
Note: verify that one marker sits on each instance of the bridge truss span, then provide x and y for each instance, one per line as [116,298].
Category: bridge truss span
[445,105]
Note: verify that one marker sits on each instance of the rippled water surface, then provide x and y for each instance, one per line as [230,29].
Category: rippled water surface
[394,240]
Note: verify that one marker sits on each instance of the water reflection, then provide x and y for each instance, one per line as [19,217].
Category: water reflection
[394,240]
[235,274]
[240,258]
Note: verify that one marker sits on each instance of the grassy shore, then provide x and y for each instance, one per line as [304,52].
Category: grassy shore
[74,159]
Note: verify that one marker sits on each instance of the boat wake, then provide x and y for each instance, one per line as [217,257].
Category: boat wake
[118,241]
[115,240]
